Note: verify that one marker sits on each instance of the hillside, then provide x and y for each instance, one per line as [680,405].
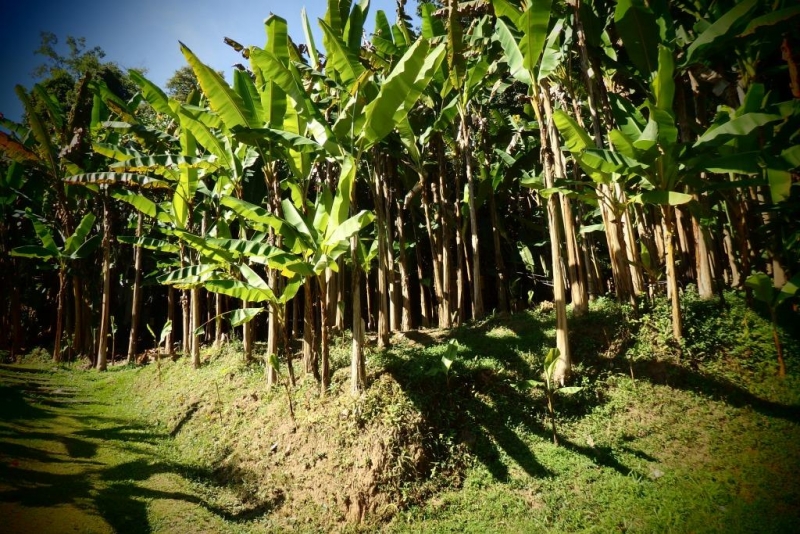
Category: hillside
[652,443]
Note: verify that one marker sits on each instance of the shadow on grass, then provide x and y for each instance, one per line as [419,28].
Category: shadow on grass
[480,406]
[44,464]
[479,403]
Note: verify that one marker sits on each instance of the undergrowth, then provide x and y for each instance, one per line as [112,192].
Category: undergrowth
[450,435]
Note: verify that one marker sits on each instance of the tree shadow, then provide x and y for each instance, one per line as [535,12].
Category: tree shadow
[34,476]
[17,407]
[683,377]
[483,406]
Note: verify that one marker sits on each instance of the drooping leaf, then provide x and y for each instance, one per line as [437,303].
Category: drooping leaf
[188,276]
[149,243]
[16,151]
[80,233]
[54,107]
[721,30]
[165,331]
[780,184]
[223,100]
[401,90]
[638,27]
[288,80]
[341,58]
[740,163]
[771,19]
[297,143]
[153,94]
[40,132]
[552,53]
[348,228]
[575,137]
[87,247]
[533,24]
[117,178]
[239,290]
[512,53]
[244,315]
[789,290]
[244,86]
[33,251]
[207,249]
[761,284]
[671,198]
[432,26]
[740,126]
[792,156]
[259,215]
[161,163]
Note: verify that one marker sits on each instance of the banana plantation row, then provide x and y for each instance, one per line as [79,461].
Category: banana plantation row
[505,152]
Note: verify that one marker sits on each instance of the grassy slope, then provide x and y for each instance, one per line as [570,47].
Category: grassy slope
[708,444]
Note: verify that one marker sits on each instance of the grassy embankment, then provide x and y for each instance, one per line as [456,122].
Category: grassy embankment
[652,443]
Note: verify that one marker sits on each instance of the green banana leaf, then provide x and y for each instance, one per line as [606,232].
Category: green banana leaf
[638,27]
[84,227]
[223,100]
[533,24]
[153,94]
[721,30]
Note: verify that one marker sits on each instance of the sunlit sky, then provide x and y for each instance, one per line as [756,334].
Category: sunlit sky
[145,33]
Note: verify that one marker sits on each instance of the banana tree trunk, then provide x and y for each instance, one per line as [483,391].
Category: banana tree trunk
[273,329]
[461,304]
[477,279]
[218,320]
[16,321]
[186,342]
[137,294]
[705,283]
[105,309]
[672,278]
[248,336]
[62,282]
[170,317]
[309,349]
[358,373]
[577,282]
[405,292]
[195,337]
[393,285]
[446,254]
[383,257]
[436,252]
[502,283]
[325,370]
[564,364]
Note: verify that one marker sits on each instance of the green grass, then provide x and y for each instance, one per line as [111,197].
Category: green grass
[702,443]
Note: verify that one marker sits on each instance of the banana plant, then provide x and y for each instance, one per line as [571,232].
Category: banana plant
[318,238]
[773,297]
[668,168]
[77,246]
[523,41]
[551,387]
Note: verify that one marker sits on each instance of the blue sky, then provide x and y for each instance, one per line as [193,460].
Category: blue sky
[145,33]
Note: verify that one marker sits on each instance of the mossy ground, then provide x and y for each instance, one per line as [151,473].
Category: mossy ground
[707,442]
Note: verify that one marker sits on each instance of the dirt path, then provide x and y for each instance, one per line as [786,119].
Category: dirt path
[69,463]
